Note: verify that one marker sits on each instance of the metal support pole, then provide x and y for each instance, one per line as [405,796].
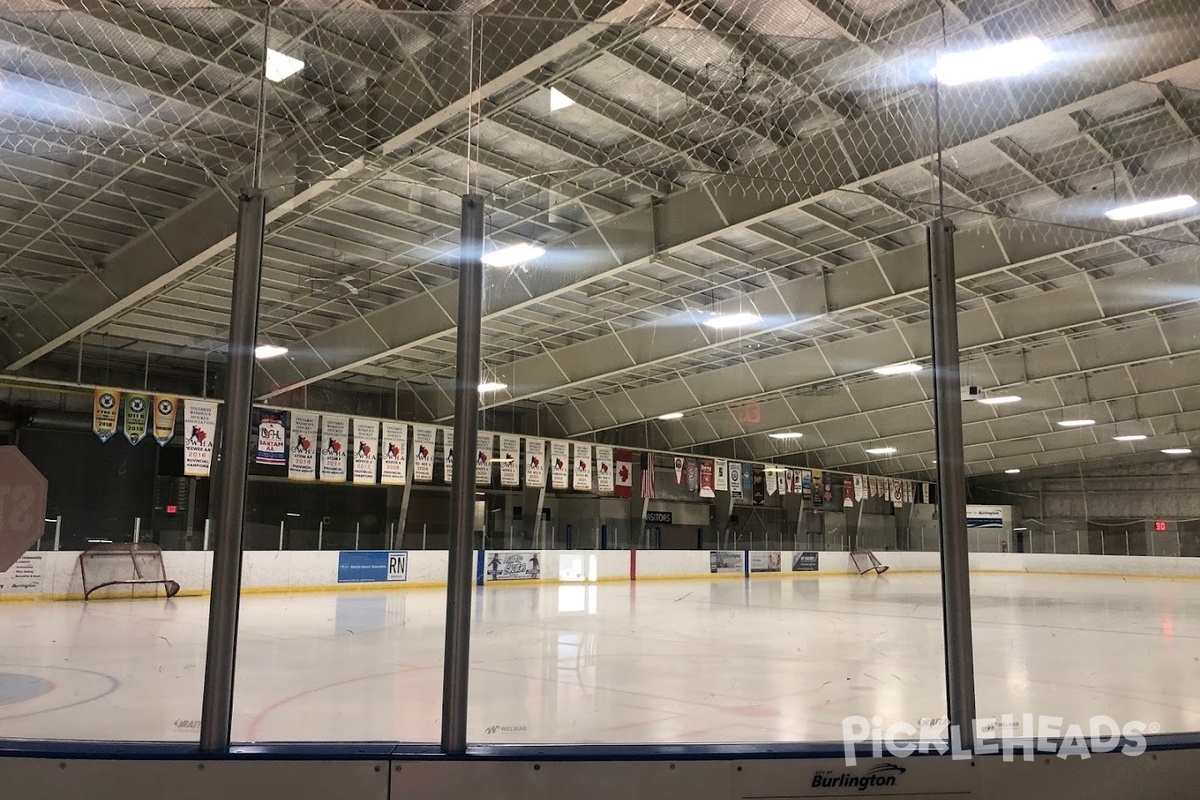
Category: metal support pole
[462,490]
[952,495]
[357,526]
[207,525]
[58,533]
[281,535]
[321,535]
[230,492]
[137,529]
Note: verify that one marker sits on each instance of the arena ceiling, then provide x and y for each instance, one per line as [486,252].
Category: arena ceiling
[678,162]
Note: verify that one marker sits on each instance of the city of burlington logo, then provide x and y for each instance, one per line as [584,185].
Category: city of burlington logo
[880,775]
[107,401]
[165,407]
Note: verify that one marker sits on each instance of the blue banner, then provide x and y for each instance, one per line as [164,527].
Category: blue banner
[372,566]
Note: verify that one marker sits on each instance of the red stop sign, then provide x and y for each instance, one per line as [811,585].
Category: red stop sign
[22,505]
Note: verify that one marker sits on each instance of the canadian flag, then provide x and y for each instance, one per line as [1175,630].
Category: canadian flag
[623,479]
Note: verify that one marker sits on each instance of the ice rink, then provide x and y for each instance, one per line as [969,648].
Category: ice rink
[772,659]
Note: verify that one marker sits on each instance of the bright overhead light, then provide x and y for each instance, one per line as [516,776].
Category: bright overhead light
[280,66]
[1075,423]
[1008,60]
[1012,471]
[1151,208]
[741,320]
[671,415]
[1133,437]
[786,435]
[559,101]
[881,451]
[1001,400]
[514,255]
[264,351]
[898,369]
[1178,451]
[492,386]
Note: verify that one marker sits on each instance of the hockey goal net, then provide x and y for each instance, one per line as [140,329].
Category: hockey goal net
[865,561]
[125,564]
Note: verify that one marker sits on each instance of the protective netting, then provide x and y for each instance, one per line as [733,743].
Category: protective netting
[676,160]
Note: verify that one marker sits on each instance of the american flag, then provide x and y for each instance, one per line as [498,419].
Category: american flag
[647,475]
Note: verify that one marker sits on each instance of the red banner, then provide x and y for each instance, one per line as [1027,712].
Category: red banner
[708,478]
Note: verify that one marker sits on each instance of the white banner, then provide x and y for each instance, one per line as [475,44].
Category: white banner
[424,441]
[447,454]
[560,464]
[604,469]
[510,460]
[302,446]
[366,450]
[394,459]
[722,475]
[772,481]
[200,424]
[535,463]
[334,433]
[582,480]
[485,446]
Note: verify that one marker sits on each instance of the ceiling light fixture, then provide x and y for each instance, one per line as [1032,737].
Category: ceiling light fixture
[492,386]
[279,66]
[1008,60]
[1013,471]
[1075,423]
[1178,451]
[671,415]
[786,435]
[881,451]
[264,351]
[1000,400]
[559,101]
[739,320]
[513,256]
[898,369]
[1133,437]
[1152,208]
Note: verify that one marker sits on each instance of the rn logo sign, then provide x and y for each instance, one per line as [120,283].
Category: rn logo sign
[397,566]
[22,505]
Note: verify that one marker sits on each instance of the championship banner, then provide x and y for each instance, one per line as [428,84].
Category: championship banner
[623,485]
[582,480]
[735,480]
[560,461]
[860,488]
[535,463]
[272,437]
[485,446]
[366,450]
[510,460]
[393,459]
[781,480]
[302,449]
[335,432]
[424,441]
[806,481]
[106,407]
[758,485]
[691,469]
[137,417]
[747,480]
[789,482]
[707,478]
[772,481]
[828,489]
[872,487]
[604,469]
[200,420]
[848,492]
[164,418]
[448,455]
[678,470]
[818,490]
[721,475]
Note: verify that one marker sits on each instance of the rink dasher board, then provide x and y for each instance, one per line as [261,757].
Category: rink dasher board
[1158,774]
